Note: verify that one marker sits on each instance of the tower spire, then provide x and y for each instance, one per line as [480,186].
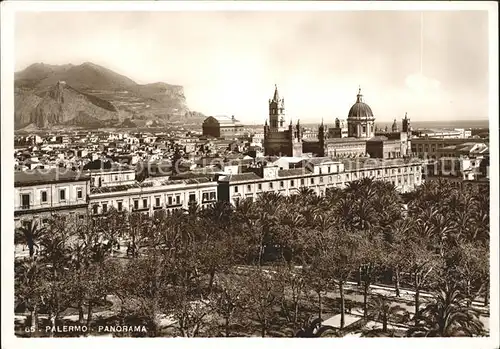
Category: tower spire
[359,96]
[276,96]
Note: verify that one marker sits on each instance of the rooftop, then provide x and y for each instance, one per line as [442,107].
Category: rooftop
[352,164]
[293,172]
[149,184]
[46,176]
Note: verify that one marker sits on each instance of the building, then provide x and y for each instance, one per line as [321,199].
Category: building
[319,174]
[462,160]
[340,130]
[383,147]
[222,126]
[113,176]
[360,140]
[360,121]
[444,133]
[40,194]
[430,147]
[154,196]
[280,139]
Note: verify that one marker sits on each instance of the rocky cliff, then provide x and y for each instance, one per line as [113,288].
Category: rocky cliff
[88,94]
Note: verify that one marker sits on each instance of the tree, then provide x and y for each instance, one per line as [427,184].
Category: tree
[293,283]
[380,309]
[28,288]
[423,265]
[29,234]
[227,300]
[262,294]
[447,317]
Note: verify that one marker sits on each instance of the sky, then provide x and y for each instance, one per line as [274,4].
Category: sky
[434,65]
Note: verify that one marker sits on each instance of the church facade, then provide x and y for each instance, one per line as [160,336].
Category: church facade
[354,137]
[281,139]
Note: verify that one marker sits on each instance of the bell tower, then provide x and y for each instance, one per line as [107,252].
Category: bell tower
[277,112]
[405,137]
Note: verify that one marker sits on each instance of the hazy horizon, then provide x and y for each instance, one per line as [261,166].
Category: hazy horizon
[229,65]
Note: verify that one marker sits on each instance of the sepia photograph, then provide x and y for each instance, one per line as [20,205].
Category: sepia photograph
[250,170]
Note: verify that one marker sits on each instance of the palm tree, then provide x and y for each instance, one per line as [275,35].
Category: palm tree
[29,234]
[380,309]
[447,316]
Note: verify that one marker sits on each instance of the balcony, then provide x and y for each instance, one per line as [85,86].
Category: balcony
[156,208]
[48,207]
[172,205]
[140,209]
[210,201]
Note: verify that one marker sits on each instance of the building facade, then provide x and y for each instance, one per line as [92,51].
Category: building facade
[319,175]
[114,176]
[430,147]
[154,196]
[41,194]
[281,139]
[360,121]
[222,126]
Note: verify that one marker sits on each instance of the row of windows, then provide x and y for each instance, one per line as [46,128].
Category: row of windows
[26,198]
[113,178]
[312,181]
[172,200]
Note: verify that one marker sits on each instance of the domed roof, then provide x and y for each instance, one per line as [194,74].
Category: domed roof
[360,110]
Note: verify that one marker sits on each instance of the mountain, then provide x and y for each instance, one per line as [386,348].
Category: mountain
[92,95]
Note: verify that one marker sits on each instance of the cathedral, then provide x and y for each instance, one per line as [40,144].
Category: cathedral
[280,139]
[355,138]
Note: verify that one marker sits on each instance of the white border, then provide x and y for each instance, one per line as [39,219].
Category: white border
[8,9]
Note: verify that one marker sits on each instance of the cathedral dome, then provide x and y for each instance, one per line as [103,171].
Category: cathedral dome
[360,110]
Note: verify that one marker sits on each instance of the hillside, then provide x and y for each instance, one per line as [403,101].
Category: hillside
[48,95]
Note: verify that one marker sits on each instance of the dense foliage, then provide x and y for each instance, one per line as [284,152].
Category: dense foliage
[250,269]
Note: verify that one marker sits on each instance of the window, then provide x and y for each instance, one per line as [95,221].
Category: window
[104,207]
[144,203]
[178,199]
[212,195]
[204,196]
[120,206]
[270,185]
[136,204]
[302,181]
[157,202]
[236,189]
[192,197]
[95,209]
[321,179]
[62,194]
[79,193]
[282,184]
[249,187]
[44,196]
[292,183]
[169,200]
[259,186]
[116,178]
[25,200]
[312,180]
[328,169]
